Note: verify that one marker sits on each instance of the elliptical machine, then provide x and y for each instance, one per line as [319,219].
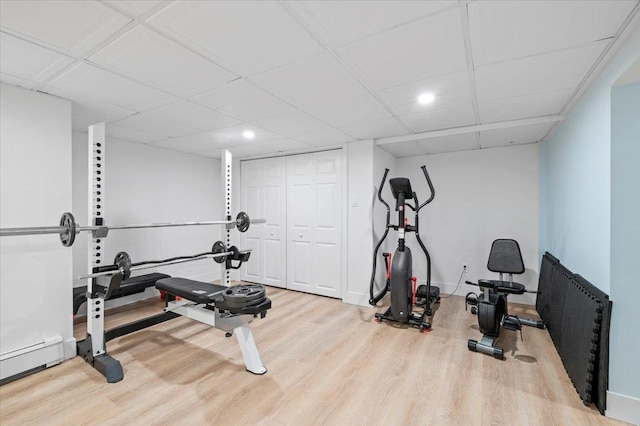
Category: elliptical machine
[399,278]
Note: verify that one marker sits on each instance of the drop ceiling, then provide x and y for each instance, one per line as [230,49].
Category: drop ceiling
[192,76]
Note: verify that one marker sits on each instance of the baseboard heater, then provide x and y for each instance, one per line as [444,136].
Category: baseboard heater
[26,360]
[577,315]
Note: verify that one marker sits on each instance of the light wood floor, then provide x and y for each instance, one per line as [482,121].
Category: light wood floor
[328,363]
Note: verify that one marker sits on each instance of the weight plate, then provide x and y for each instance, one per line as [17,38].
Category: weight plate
[218,247]
[244,295]
[243,222]
[68,236]
[123,262]
[235,253]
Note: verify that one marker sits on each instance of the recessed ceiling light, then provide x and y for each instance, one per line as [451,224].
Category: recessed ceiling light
[248,134]
[426,98]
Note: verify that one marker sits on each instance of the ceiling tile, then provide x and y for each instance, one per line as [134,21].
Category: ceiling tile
[514,135]
[363,108]
[403,149]
[325,138]
[377,129]
[191,143]
[541,73]
[292,124]
[318,81]
[250,36]
[131,135]
[193,115]
[422,49]
[86,112]
[347,21]
[449,90]
[85,80]
[74,27]
[242,99]
[135,7]
[146,123]
[546,103]
[440,119]
[452,143]
[29,61]
[148,56]
[232,136]
[504,30]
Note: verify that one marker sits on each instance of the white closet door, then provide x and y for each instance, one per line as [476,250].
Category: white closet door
[313,223]
[263,184]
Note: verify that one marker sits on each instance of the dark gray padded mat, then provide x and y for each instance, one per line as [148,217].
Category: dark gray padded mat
[577,315]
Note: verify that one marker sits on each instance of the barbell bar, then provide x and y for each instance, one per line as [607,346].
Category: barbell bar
[155,265]
[68,227]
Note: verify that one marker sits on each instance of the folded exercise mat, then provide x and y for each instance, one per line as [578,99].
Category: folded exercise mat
[577,315]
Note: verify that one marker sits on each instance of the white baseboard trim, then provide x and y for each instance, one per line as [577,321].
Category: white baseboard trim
[623,407]
[48,352]
[70,350]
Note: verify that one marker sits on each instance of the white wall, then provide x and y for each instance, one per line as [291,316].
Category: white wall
[35,189]
[360,192]
[480,196]
[144,184]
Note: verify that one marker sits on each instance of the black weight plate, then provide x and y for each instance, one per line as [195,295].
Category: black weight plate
[243,222]
[218,247]
[68,236]
[235,253]
[123,261]
[244,295]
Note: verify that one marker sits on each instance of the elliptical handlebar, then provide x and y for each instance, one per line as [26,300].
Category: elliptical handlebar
[433,191]
[375,298]
[384,179]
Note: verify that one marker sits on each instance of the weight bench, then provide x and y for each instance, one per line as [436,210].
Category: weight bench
[229,309]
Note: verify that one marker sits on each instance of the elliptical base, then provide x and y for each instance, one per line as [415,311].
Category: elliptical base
[413,320]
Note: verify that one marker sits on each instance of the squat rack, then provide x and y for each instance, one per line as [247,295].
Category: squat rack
[93,348]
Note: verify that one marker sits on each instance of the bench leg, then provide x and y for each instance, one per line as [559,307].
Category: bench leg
[249,349]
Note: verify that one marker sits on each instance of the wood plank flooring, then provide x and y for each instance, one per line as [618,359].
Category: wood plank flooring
[328,363]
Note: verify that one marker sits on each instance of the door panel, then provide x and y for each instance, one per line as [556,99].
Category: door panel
[263,184]
[313,232]
[252,268]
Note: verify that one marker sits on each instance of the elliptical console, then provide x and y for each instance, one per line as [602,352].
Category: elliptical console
[399,278]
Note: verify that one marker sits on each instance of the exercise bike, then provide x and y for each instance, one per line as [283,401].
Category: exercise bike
[491,305]
[399,276]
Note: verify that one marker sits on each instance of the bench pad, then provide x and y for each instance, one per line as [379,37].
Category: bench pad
[195,291]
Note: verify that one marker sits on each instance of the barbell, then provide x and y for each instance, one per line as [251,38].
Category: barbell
[123,264]
[68,227]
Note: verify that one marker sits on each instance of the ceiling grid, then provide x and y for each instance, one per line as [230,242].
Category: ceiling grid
[193,76]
